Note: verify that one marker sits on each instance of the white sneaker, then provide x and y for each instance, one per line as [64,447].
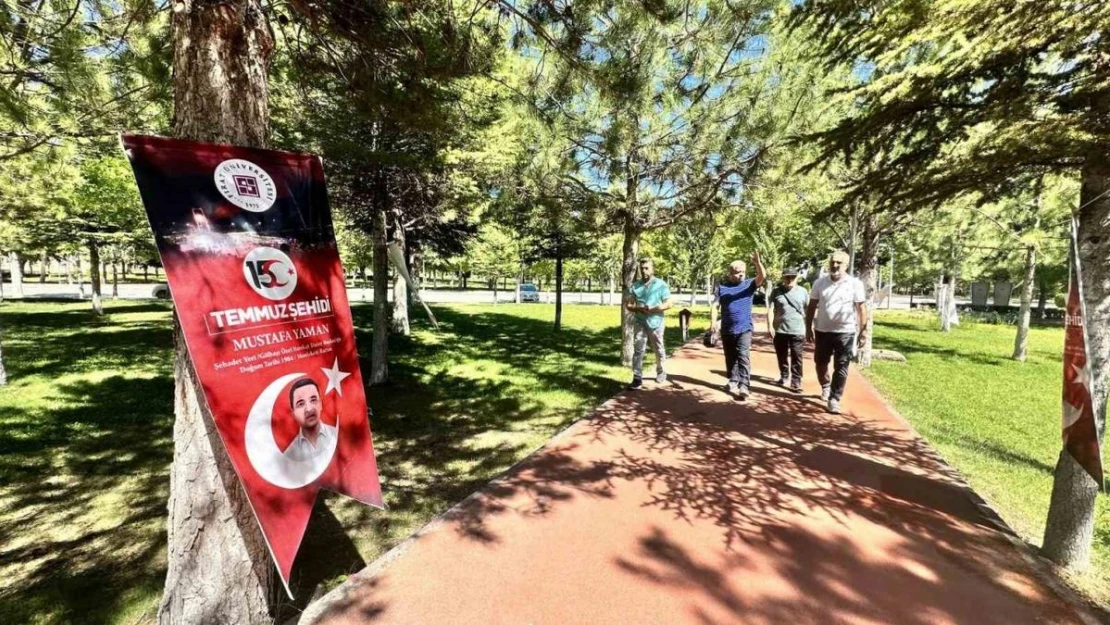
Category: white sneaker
[826,390]
[730,388]
[834,406]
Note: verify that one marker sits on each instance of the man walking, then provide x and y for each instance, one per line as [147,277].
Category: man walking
[837,304]
[734,298]
[787,328]
[649,298]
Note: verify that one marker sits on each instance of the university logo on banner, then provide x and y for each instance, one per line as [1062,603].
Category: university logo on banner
[246,239]
[1079,426]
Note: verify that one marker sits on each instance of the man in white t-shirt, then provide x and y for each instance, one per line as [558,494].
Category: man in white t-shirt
[836,303]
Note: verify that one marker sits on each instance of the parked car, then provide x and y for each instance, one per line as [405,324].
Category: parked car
[529,293]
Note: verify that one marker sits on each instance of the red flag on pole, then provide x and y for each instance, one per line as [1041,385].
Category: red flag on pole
[1080,429]
[246,239]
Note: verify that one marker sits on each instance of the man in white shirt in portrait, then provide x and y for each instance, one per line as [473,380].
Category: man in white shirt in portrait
[315,443]
[837,305]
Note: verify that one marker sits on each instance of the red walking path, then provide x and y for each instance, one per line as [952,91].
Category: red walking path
[677,504]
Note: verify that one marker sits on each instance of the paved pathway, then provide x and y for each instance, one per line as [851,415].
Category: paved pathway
[677,504]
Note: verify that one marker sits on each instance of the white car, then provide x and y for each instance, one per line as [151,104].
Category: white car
[529,293]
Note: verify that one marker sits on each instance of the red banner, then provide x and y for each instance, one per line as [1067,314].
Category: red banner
[1080,429]
[246,240]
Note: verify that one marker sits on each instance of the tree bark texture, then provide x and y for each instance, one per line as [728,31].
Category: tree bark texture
[80,277]
[15,265]
[942,307]
[115,279]
[400,320]
[379,350]
[3,371]
[1021,340]
[868,263]
[558,291]
[94,261]
[628,274]
[1070,525]
[219,570]
[1042,298]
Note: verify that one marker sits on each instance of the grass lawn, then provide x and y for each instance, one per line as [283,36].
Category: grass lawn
[996,420]
[86,441]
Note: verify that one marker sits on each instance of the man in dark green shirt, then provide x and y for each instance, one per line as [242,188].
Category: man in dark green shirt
[787,326]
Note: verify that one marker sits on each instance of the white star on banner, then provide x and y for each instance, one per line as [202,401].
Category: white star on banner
[335,377]
[1081,377]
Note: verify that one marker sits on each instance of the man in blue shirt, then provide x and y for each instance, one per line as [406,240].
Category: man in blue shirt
[734,298]
[649,297]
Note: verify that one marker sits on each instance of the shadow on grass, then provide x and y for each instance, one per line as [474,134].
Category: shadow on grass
[85,489]
[85,466]
[909,348]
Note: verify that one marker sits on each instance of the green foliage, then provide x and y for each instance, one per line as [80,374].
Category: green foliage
[658,110]
[80,71]
[495,252]
[963,96]
[396,97]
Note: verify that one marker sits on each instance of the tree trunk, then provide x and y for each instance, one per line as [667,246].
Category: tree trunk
[612,289]
[1021,341]
[80,277]
[45,268]
[379,351]
[1042,298]
[558,291]
[146,273]
[628,274]
[16,266]
[399,323]
[219,569]
[853,232]
[944,292]
[868,263]
[94,262]
[3,371]
[115,279]
[1070,525]
[519,280]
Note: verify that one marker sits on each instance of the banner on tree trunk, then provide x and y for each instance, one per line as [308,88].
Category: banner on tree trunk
[1080,429]
[246,239]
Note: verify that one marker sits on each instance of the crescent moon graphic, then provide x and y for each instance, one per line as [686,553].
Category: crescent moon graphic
[262,450]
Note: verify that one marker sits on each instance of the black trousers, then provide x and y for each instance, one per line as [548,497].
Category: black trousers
[838,346]
[738,362]
[789,348]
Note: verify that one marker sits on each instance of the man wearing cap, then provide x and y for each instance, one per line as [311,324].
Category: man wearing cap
[648,299]
[836,303]
[734,298]
[787,328]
